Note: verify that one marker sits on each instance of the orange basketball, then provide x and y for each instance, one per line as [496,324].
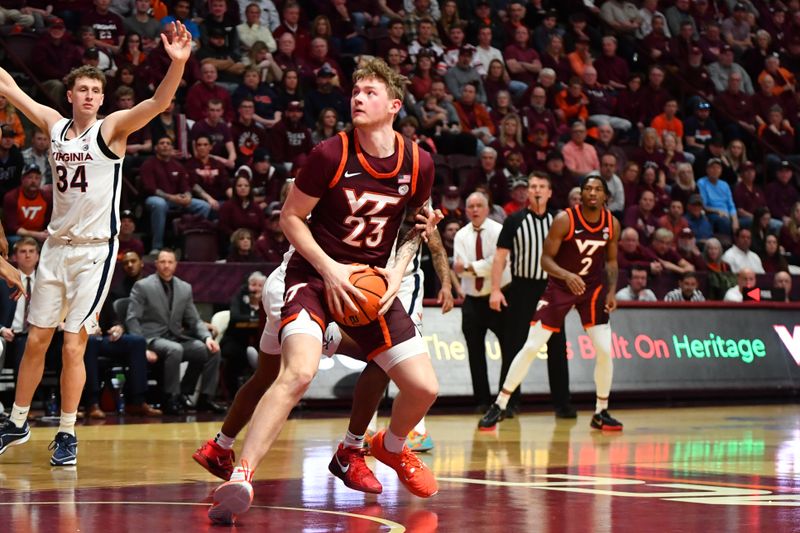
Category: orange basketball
[373,286]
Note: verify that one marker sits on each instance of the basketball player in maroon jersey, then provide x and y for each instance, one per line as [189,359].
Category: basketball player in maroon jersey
[581,244]
[358,188]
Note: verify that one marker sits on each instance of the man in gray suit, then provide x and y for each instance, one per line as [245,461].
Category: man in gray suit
[162,311]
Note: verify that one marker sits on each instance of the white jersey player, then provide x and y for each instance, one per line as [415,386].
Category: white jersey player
[77,260]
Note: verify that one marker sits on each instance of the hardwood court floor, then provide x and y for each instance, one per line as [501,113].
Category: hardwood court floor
[680,469]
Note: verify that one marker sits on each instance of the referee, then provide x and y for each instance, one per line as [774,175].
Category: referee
[522,237]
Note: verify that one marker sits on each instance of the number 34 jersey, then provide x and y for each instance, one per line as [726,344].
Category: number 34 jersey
[86,185]
[363,199]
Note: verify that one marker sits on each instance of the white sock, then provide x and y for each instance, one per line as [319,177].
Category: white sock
[225,442]
[352,440]
[603,365]
[393,443]
[600,404]
[502,400]
[420,427]
[19,415]
[241,473]
[66,423]
[373,423]
[537,337]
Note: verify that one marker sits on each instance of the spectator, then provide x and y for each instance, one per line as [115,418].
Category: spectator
[740,256]
[678,15]
[601,101]
[673,219]
[27,208]
[240,211]
[53,57]
[763,225]
[673,155]
[463,72]
[239,344]
[687,249]
[208,177]
[485,53]
[522,60]
[38,153]
[664,249]
[272,243]
[783,79]
[131,52]
[10,119]
[561,179]
[684,186]
[267,180]
[765,99]
[205,90]
[642,217]
[718,199]
[657,41]
[604,144]
[581,57]
[629,100]
[631,253]
[539,149]
[747,196]
[165,184]
[700,128]
[128,241]
[712,253]
[172,124]
[733,161]
[473,115]
[698,85]
[653,180]
[486,173]
[287,57]
[425,39]
[738,106]
[783,281]
[721,70]
[571,102]
[216,129]
[395,38]
[328,125]
[782,193]
[253,29]
[636,290]
[668,121]
[538,113]
[264,97]
[509,137]
[220,50]
[647,14]
[140,142]
[247,133]
[290,137]
[790,235]
[242,247]
[579,156]
[326,94]
[616,199]
[711,43]
[649,151]
[612,70]
[140,22]
[452,206]
[453,41]
[654,95]
[22,18]
[422,76]
[745,281]
[555,58]
[11,161]
[736,30]
[771,258]
[92,55]
[108,27]
[182,12]
[162,310]
[687,290]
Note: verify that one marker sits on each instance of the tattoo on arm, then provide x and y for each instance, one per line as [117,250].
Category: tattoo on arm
[612,272]
[440,263]
[408,238]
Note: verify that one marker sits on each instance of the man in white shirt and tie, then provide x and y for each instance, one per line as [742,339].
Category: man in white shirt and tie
[473,252]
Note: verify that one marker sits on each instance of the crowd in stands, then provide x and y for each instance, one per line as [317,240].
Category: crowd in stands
[687,108]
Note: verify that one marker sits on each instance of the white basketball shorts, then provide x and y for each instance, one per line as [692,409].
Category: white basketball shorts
[72,282]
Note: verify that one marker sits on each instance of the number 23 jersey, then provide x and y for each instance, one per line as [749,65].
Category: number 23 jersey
[86,185]
[363,199]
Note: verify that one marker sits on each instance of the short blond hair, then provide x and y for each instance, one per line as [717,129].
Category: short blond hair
[85,71]
[378,69]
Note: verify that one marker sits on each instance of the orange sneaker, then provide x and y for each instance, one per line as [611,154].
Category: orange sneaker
[233,497]
[216,459]
[412,472]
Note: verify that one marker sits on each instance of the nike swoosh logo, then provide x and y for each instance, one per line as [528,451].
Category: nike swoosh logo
[578,231]
[351,174]
[344,468]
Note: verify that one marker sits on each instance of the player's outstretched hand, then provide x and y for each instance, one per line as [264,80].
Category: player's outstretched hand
[13,278]
[497,300]
[3,245]
[338,289]
[575,284]
[426,221]
[393,279]
[445,299]
[611,303]
[181,46]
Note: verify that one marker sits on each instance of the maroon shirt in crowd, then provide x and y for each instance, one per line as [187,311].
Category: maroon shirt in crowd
[288,140]
[212,176]
[169,176]
[234,215]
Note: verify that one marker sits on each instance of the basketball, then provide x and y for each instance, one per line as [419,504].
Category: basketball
[373,286]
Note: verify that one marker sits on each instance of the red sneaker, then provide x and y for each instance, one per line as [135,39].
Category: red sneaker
[348,465]
[232,498]
[215,459]
[412,472]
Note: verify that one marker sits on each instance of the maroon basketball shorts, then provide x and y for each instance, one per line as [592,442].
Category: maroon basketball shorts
[556,302]
[388,340]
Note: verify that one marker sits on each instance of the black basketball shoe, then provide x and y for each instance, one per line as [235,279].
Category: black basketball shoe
[603,420]
[491,418]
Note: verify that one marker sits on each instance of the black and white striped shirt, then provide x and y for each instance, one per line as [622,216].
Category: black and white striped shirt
[676,295]
[523,234]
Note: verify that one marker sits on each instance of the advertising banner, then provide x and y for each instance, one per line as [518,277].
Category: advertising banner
[653,349]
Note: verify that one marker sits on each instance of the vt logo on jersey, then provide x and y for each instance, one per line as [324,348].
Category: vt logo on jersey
[30,211]
[368,205]
[592,246]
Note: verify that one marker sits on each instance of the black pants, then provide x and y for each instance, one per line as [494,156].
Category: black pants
[476,319]
[523,296]
[129,350]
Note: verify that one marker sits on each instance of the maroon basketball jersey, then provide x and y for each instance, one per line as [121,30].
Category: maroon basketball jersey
[363,199]
[583,250]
